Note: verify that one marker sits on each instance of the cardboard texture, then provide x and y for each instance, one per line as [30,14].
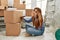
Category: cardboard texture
[16,1]
[3,2]
[28,12]
[20,6]
[1,12]
[12,16]
[13,29]
[2,7]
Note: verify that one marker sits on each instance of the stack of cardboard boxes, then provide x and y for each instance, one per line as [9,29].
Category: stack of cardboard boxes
[12,20]
[3,4]
[12,17]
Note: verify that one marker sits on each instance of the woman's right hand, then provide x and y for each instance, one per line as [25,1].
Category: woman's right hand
[33,13]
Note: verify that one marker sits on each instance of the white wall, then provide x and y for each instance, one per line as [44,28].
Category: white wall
[44,3]
[57,12]
[33,4]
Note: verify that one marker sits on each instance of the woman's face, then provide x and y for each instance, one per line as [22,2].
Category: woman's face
[36,11]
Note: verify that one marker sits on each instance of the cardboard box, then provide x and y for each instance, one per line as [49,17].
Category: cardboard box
[29,12]
[13,29]
[3,2]
[1,12]
[12,16]
[16,1]
[2,7]
[20,6]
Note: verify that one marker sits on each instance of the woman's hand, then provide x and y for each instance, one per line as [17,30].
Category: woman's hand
[33,13]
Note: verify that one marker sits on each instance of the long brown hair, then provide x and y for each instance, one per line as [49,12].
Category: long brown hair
[39,22]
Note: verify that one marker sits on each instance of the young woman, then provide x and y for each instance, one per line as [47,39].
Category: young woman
[38,26]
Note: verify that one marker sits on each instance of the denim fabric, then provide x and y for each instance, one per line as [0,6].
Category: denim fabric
[34,31]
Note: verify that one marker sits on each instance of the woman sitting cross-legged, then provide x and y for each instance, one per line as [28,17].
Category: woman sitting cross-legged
[38,25]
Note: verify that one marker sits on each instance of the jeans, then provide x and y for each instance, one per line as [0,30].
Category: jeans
[34,31]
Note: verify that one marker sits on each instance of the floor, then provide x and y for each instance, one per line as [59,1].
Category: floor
[48,35]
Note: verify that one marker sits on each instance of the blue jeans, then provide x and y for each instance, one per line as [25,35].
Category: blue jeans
[34,31]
